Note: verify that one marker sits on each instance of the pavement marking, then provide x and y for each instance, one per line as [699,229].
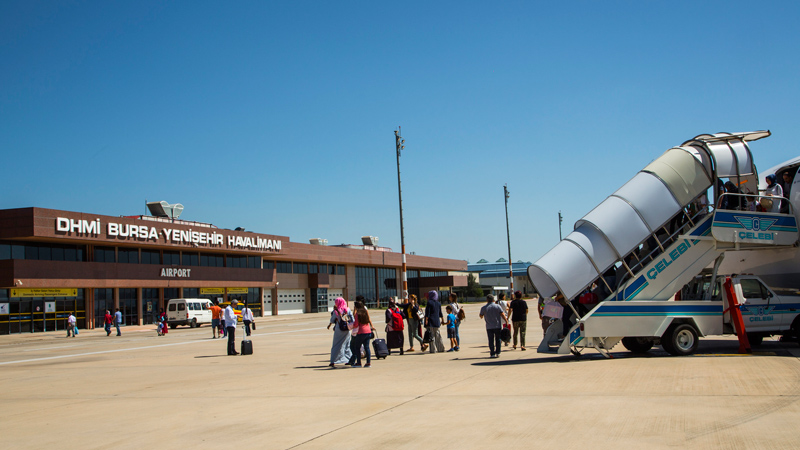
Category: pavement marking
[205,340]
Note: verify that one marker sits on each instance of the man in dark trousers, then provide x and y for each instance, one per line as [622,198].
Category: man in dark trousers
[230,327]
[492,313]
[519,318]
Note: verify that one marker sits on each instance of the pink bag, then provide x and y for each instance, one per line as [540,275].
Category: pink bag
[553,310]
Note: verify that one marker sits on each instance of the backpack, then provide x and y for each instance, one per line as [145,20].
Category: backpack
[397,320]
[461,314]
[342,323]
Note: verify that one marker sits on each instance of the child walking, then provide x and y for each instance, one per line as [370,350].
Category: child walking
[451,328]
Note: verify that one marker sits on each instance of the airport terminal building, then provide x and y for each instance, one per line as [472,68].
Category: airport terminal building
[55,262]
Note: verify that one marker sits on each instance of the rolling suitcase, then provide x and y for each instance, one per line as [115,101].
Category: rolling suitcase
[247,346]
[381,349]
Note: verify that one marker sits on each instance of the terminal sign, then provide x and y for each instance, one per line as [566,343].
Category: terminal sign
[43,292]
[144,233]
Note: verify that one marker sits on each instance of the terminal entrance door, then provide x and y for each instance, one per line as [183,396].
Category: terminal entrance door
[127,306]
[103,300]
[23,312]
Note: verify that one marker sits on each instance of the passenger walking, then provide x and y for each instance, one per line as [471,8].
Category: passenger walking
[451,328]
[364,331]
[215,312]
[433,320]
[164,321]
[501,301]
[118,321]
[492,313]
[108,320]
[460,315]
[394,327]
[519,319]
[71,325]
[230,327]
[341,319]
[247,318]
[412,313]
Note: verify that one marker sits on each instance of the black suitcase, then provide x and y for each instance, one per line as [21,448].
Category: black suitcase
[381,349]
[247,346]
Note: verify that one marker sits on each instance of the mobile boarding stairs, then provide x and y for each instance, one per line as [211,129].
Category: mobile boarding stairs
[654,235]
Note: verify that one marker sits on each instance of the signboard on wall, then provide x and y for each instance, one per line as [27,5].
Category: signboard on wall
[49,307]
[220,291]
[163,234]
[3,308]
[44,292]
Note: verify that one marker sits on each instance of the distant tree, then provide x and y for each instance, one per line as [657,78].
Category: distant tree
[473,288]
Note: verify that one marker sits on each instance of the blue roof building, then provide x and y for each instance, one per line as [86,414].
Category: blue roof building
[494,276]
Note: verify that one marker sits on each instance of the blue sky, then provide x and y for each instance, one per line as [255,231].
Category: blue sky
[279,116]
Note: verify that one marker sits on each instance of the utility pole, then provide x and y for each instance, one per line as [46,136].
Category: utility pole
[559,225]
[399,145]
[508,235]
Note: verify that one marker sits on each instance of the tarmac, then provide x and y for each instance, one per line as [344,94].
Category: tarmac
[181,390]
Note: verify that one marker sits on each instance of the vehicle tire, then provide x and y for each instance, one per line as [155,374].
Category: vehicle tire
[755,338]
[682,341]
[637,344]
[173,325]
[193,323]
[665,340]
[794,330]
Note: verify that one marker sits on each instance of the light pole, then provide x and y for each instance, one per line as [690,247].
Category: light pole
[398,143]
[559,225]
[508,234]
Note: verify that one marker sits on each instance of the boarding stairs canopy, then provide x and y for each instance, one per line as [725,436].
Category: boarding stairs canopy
[641,209]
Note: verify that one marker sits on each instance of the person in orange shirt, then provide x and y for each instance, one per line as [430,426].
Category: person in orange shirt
[215,311]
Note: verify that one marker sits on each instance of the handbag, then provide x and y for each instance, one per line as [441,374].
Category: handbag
[426,339]
[553,309]
[253,323]
[420,314]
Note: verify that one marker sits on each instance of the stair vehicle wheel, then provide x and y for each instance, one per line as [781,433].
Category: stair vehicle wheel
[794,330]
[193,323]
[682,341]
[173,325]
[755,338]
[637,344]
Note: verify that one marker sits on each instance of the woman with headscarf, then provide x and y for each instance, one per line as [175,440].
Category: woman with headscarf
[773,190]
[734,201]
[433,321]
[341,319]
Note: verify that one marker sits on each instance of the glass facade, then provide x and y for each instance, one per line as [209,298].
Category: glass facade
[151,257]
[387,284]
[45,252]
[127,306]
[128,255]
[103,300]
[366,286]
[105,254]
[150,308]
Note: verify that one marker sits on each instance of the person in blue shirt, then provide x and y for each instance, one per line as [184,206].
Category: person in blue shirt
[117,321]
[451,328]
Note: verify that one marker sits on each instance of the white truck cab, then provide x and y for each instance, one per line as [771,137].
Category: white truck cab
[765,312]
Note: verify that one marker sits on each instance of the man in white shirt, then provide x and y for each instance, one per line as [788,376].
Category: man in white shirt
[71,321]
[247,318]
[230,327]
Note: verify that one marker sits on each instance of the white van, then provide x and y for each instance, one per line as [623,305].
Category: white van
[188,311]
